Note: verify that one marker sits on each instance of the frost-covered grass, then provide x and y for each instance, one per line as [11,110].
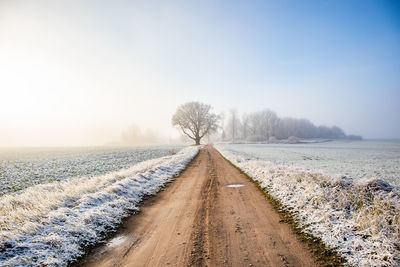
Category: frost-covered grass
[51,224]
[360,218]
[355,159]
[21,168]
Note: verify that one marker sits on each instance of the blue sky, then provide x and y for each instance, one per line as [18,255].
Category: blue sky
[79,72]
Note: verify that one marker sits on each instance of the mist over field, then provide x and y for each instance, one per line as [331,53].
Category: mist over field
[82,73]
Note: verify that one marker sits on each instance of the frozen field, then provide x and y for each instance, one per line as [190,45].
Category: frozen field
[50,224]
[357,159]
[23,167]
[335,191]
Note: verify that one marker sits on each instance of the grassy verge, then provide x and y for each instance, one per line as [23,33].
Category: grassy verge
[324,255]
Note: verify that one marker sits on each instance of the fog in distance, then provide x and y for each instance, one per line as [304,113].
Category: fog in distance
[86,73]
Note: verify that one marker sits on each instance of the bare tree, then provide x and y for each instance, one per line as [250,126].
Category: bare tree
[195,120]
[233,125]
[268,123]
[245,126]
[254,124]
[222,118]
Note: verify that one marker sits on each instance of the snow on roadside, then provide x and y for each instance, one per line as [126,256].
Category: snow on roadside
[359,218]
[51,224]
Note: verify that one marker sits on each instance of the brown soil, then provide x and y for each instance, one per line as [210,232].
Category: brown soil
[197,221]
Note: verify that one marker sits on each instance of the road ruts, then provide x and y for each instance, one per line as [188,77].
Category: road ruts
[198,221]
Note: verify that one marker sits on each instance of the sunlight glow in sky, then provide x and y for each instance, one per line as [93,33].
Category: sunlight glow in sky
[80,72]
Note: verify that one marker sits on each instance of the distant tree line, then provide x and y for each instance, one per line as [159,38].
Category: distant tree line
[266,126]
[196,120]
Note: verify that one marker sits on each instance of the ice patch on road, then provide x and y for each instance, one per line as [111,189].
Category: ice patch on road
[116,241]
[234,185]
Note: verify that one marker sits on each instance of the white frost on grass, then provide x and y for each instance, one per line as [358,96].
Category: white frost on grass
[355,159]
[51,224]
[359,218]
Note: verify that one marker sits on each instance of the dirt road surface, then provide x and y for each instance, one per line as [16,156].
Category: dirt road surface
[198,221]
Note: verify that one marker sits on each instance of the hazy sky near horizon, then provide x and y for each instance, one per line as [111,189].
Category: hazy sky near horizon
[80,72]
